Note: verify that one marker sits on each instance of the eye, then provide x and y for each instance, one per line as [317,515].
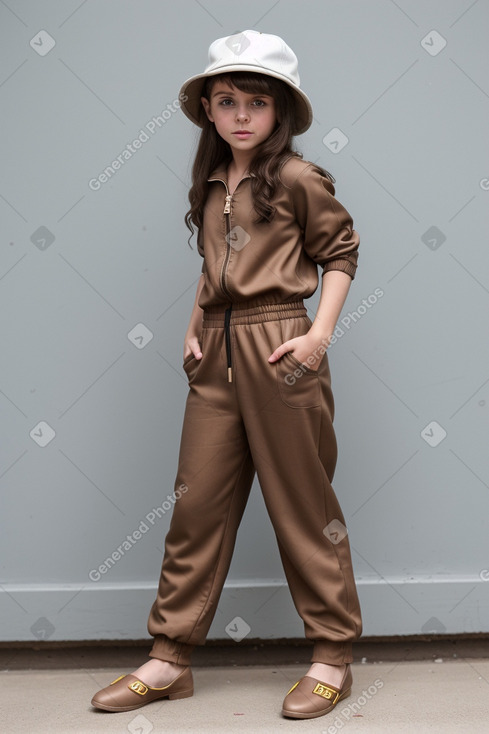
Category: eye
[225,100]
[260,103]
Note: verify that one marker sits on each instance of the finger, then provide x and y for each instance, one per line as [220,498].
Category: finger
[279,352]
[195,347]
[191,348]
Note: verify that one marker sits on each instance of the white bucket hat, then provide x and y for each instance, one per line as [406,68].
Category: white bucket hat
[262,53]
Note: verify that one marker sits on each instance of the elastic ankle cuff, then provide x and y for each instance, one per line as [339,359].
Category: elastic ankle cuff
[332,653]
[174,652]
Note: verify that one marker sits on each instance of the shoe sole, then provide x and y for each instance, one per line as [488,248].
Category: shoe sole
[313,715]
[170,696]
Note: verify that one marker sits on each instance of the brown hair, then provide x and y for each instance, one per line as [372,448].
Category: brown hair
[212,150]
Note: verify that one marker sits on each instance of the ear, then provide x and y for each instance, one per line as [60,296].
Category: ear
[207,108]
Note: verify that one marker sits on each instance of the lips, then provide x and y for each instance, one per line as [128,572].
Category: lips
[243,133]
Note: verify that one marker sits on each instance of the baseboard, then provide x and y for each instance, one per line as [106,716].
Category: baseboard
[390,607]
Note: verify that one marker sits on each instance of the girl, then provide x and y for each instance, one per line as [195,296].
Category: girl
[260,395]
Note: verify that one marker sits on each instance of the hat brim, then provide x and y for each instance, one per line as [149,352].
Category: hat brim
[192,88]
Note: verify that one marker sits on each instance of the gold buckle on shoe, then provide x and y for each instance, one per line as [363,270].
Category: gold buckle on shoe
[326,692]
[138,687]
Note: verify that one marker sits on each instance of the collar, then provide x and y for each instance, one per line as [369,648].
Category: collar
[221,174]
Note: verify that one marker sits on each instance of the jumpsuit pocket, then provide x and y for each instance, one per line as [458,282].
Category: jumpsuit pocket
[298,384]
[301,365]
[190,365]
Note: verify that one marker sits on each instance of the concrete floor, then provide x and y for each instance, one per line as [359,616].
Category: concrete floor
[435,694]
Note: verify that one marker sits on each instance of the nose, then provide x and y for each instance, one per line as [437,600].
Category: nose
[242,114]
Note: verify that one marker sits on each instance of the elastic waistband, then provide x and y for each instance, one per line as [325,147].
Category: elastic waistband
[252,312]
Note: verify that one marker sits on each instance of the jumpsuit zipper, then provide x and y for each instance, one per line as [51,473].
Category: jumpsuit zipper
[227,314]
[227,214]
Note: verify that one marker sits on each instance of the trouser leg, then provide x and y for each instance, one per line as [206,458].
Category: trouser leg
[290,432]
[214,477]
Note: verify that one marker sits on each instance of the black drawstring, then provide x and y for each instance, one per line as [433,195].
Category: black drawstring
[227,332]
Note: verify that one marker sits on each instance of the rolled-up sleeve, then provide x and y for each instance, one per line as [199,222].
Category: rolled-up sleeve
[329,237]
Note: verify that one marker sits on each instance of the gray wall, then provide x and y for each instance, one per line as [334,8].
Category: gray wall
[96,286]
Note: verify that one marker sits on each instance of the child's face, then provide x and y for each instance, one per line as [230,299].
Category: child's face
[232,110]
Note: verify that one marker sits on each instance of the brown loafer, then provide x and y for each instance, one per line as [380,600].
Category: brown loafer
[310,697]
[128,692]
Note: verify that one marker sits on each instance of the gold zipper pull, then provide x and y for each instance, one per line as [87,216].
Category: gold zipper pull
[227,205]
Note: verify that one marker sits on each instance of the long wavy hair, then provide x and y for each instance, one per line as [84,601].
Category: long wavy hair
[270,155]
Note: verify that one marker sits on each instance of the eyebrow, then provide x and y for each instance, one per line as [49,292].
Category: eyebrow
[231,94]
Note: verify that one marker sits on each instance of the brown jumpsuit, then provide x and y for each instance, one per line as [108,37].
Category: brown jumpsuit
[244,414]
